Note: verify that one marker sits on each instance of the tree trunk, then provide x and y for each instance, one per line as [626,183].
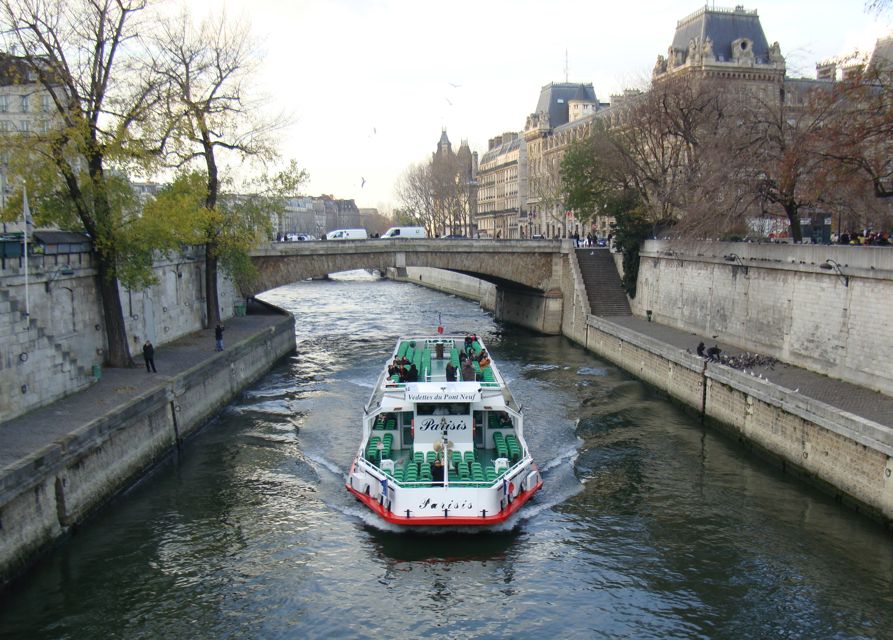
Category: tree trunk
[118,353]
[793,214]
[212,304]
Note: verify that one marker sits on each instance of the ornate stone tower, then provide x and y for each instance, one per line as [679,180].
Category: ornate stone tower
[722,43]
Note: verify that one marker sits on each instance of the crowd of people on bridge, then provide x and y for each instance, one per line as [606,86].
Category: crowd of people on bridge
[865,237]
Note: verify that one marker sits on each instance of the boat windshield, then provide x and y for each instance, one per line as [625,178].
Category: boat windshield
[443,409]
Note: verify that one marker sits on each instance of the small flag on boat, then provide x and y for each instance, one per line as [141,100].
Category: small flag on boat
[439,324]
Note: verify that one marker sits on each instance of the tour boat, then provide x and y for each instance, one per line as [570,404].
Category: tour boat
[447,449]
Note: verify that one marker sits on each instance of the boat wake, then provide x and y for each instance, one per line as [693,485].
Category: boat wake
[569,455]
[326,464]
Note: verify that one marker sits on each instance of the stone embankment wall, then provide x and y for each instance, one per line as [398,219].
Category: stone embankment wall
[849,456]
[59,486]
[530,309]
[450,282]
[822,308]
[846,454]
[51,353]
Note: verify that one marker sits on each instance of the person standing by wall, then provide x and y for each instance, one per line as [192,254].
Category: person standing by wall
[149,357]
[218,336]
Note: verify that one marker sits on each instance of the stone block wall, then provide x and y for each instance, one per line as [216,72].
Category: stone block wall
[779,300]
[450,282]
[50,353]
[45,495]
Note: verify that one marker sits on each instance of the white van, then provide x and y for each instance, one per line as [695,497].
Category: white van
[347,234]
[405,232]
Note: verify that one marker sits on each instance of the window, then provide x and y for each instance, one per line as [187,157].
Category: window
[4,104]
[45,104]
[25,102]
[25,126]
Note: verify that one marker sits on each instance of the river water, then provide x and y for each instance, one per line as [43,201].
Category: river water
[648,525]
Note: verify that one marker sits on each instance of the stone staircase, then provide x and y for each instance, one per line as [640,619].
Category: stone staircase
[603,288]
[35,368]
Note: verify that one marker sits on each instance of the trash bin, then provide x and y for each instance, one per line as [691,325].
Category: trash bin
[97,371]
[239,309]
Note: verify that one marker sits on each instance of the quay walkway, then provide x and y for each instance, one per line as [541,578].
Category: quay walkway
[851,398]
[27,437]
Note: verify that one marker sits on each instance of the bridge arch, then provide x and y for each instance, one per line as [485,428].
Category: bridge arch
[527,273]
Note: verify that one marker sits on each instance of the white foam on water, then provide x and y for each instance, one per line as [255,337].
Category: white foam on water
[592,371]
[541,367]
[326,464]
[569,456]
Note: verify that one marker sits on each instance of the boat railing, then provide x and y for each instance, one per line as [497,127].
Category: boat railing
[507,474]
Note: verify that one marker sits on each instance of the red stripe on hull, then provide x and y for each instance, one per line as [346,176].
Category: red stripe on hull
[448,521]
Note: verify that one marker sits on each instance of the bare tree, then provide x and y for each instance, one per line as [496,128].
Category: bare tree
[211,107]
[415,193]
[547,189]
[84,53]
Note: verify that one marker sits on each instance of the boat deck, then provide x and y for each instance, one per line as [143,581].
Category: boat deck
[430,356]
[406,465]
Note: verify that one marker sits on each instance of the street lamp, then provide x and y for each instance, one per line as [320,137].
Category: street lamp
[736,259]
[830,265]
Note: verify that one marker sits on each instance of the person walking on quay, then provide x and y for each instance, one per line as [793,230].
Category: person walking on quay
[149,357]
[218,336]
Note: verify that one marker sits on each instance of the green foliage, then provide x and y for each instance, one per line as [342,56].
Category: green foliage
[584,180]
[130,233]
[630,230]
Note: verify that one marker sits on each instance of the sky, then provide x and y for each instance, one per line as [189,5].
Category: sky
[367,86]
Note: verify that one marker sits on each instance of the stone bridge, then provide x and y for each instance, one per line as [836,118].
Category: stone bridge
[528,274]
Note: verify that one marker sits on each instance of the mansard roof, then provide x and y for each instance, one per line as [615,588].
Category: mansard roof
[504,147]
[13,70]
[555,96]
[444,140]
[723,27]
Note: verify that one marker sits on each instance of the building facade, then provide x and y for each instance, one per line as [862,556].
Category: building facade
[26,108]
[316,216]
[502,188]
[564,113]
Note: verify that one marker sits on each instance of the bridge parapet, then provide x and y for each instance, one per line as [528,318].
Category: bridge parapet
[522,264]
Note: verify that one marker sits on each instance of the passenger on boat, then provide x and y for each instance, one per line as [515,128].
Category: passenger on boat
[450,372]
[483,359]
[469,338]
[468,371]
[437,471]
[412,375]
[504,420]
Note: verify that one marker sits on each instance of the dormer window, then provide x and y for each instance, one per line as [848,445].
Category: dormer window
[742,49]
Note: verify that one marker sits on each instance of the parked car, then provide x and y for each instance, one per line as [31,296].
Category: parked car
[454,236]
